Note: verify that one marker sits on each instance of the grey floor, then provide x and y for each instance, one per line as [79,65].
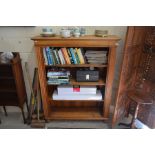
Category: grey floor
[15,121]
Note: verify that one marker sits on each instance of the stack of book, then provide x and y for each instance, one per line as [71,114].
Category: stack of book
[96,57]
[77,93]
[58,77]
[54,56]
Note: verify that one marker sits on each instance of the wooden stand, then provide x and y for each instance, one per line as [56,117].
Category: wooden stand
[77,110]
[12,87]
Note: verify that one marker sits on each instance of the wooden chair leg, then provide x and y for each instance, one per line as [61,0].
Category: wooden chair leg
[5,111]
[23,115]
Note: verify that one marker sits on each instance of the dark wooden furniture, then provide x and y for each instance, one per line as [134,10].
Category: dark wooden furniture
[12,86]
[137,78]
[77,110]
[137,99]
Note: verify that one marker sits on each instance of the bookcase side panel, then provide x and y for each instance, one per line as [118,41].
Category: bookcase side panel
[109,81]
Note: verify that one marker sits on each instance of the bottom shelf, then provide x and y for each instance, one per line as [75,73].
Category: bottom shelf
[75,113]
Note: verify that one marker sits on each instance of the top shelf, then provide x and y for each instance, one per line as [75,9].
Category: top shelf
[86,37]
[83,41]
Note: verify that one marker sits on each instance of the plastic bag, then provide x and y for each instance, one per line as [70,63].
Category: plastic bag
[6,57]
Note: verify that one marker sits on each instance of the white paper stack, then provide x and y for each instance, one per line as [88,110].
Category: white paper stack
[97,96]
[72,90]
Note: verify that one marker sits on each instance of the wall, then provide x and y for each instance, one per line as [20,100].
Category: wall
[18,39]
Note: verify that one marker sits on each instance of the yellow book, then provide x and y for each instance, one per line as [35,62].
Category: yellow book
[80,56]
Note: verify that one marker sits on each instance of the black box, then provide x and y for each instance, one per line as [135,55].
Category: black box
[87,75]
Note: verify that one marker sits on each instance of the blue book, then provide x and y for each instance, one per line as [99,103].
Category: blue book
[70,56]
[56,56]
[49,55]
[73,55]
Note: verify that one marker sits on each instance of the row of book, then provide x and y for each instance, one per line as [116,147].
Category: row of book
[54,56]
[96,57]
[58,77]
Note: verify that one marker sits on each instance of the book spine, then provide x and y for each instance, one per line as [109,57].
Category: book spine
[62,57]
[59,53]
[48,56]
[73,55]
[67,56]
[77,51]
[70,56]
[82,53]
[76,56]
[53,57]
[81,56]
[56,57]
[59,77]
[45,56]
[56,52]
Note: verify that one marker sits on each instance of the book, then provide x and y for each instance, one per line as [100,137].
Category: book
[58,76]
[61,56]
[96,57]
[70,56]
[56,56]
[83,54]
[73,55]
[65,54]
[76,55]
[58,73]
[49,56]
[45,56]
[57,82]
[97,96]
[80,56]
[76,90]
[53,57]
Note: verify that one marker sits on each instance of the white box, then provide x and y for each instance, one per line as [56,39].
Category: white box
[76,90]
[97,96]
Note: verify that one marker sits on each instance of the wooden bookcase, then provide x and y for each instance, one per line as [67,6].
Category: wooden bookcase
[77,110]
[12,86]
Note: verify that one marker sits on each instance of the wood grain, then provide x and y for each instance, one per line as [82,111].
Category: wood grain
[81,109]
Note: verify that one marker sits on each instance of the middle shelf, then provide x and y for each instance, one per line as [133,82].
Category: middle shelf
[101,82]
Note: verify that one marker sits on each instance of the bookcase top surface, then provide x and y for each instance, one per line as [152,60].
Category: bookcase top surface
[87,37]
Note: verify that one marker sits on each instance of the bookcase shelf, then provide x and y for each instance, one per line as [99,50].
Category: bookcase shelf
[76,113]
[74,82]
[77,109]
[78,65]
[100,82]
[76,100]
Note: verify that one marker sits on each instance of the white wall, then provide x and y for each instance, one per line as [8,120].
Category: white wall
[17,39]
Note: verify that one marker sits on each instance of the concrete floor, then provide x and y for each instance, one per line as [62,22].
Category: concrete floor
[15,121]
